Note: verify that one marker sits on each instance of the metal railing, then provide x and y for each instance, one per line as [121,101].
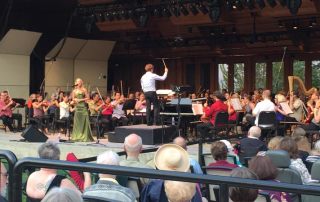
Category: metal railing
[222,181]
[11,159]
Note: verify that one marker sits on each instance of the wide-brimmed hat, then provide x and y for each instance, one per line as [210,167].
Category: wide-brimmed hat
[172,157]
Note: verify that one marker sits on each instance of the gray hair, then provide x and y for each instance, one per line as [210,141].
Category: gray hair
[254,131]
[108,158]
[317,146]
[133,147]
[49,150]
[58,194]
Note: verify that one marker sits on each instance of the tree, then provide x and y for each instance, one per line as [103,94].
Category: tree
[261,75]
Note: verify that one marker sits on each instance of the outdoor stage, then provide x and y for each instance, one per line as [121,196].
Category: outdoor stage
[10,141]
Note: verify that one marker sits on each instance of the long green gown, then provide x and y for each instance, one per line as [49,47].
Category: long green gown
[81,123]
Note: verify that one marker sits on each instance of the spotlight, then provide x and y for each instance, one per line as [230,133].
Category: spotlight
[156,12]
[238,5]
[293,6]
[108,16]
[193,9]
[261,3]
[166,12]
[295,25]
[116,15]
[272,3]
[202,8]
[183,10]
[176,11]
[250,4]
[280,24]
[124,14]
[215,14]
[143,20]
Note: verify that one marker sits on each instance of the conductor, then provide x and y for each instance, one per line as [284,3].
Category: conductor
[149,88]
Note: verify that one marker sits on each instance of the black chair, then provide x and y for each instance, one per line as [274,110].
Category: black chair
[221,128]
[267,123]
[57,121]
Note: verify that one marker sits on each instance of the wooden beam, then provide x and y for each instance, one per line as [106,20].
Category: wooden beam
[117,25]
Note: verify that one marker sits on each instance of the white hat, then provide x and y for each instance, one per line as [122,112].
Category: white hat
[172,157]
[228,144]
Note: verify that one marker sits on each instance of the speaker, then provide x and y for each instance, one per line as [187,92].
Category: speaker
[32,134]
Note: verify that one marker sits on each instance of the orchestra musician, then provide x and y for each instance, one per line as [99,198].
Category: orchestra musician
[140,107]
[81,123]
[5,111]
[149,88]
[296,106]
[15,116]
[211,112]
[65,109]
[311,106]
[40,107]
[106,115]
[118,115]
[95,107]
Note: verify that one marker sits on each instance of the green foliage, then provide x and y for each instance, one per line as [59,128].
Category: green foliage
[261,75]
[277,77]
[238,77]
[316,73]
[223,76]
[299,71]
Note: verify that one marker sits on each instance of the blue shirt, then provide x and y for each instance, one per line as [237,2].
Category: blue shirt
[196,167]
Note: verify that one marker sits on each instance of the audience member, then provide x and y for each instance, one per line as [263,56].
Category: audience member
[231,151]
[219,153]
[3,183]
[41,182]
[315,153]
[289,145]
[274,143]
[168,157]
[62,194]
[133,147]
[195,165]
[179,191]
[237,194]
[299,136]
[107,187]
[251,145]
[263,167]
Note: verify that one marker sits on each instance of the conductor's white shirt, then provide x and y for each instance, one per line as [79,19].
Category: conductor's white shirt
[148,81]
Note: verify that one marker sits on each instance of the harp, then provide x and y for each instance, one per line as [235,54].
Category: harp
[301,86]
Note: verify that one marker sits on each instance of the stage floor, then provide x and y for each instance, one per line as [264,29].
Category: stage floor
[10,141]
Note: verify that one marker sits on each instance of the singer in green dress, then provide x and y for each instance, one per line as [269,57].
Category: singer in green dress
[81,123]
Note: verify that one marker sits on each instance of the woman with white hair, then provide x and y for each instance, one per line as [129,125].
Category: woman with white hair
[315,153]
[41,182]
[62,194]
[177,191]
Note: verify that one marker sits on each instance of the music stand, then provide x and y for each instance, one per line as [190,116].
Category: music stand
[97,143]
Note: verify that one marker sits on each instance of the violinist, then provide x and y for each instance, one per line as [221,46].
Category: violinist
[231,111]
[118,115]
[65,109]
[95,104]
[40,107]
[211,112]
[5,111]
[15,116]
[140,108]
[106,116]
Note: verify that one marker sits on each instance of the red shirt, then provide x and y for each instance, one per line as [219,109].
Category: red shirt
[107,110]
[233,115]
[7,111]
[216,107]
[223,163]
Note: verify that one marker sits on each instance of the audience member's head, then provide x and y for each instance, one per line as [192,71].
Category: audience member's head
[316,149]
[254,132]
[172,157]
[3,180]
[289,145]
[179,191]
[181,142]
[229,146]
[274,143]
[49,150]
[299,135]
[219,151]
[263,167]
[62,194]
[237,194]
[133,145]
[108,158]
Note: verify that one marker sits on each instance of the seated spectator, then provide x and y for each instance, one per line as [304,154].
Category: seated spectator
[289,145]
[237,194]
[168,157]
[219,153]
[195,165]
[266,170]
[299,136]
[107,187]
[315,153]
[62,194]
[133,147]
[179,191]
[3,183]
[231,151]
[41,182]
[251,145]
[274,143]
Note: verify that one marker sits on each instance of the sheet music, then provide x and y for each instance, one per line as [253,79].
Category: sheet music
[197,109]
[235,102]
[285,107]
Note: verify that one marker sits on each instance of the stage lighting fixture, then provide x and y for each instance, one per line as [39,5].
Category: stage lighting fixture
[116,15]
[214,14]
[272,3]
[193,9]
[295,25]
[184,10]
[124,14]
[99,17]
[176,11]
[143,19]
[250,4]
[202,8]
[108,16]
[166,12]
[293,6]
[261,3]
[283,3]
[229,5]
[280,24]
[238,5]
[156,12]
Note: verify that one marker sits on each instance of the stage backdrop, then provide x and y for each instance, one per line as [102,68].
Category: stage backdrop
[87,59]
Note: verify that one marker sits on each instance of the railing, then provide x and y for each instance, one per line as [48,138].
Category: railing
[224,182]
[11,158]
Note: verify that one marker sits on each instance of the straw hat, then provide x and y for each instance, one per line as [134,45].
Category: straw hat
[172,157]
